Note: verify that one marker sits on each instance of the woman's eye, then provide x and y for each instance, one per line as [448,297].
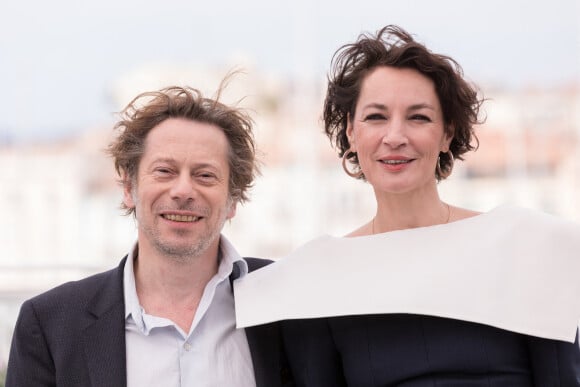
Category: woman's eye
[420,117]
[374,116]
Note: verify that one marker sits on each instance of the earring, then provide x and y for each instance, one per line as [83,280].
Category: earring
[345,156]
[444,174]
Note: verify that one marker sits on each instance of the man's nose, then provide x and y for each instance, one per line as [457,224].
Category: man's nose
[183,187]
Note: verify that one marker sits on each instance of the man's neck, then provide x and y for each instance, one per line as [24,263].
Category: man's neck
[172,288]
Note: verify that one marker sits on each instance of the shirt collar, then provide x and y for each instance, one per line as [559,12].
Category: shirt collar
[132,306]
[231,263]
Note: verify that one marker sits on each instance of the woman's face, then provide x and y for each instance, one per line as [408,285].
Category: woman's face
[398,130]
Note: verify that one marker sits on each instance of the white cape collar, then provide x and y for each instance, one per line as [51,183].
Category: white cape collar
[510,268]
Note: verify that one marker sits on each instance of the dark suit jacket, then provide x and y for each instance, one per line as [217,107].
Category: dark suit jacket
[74,336]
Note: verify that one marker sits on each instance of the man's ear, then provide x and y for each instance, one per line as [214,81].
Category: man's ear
[128,199]
[232,210]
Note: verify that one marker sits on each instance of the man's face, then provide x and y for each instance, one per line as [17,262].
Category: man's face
[181,195]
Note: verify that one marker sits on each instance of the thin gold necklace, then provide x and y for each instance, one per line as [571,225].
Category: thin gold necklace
[447,221]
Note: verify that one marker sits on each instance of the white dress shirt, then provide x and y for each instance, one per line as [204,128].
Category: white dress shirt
[212,353]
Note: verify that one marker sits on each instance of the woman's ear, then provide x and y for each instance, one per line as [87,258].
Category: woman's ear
[447,138]
[350,133]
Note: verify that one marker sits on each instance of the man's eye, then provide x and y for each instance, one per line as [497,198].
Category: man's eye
[207,176]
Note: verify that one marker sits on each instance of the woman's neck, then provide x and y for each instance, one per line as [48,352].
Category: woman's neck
[403,211]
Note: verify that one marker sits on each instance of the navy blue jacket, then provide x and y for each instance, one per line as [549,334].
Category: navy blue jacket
[421,351]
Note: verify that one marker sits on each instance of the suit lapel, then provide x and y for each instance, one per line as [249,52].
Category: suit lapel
[265,342]
[104,339]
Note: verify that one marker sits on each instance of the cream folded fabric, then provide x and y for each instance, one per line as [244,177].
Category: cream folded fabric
[510,268]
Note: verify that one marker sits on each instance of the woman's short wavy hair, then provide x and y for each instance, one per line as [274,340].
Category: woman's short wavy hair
[393,46]
[149,109]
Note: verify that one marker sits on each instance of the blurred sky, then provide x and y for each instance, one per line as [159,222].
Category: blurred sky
[60,59]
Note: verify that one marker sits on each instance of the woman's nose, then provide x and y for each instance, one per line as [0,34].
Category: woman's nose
[395,134]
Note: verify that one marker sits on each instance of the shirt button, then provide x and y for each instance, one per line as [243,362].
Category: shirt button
[187,347]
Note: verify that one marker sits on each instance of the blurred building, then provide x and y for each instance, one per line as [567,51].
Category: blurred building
[529,152]
[59,200]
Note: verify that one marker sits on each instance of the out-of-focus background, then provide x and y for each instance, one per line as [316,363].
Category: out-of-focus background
[67,66]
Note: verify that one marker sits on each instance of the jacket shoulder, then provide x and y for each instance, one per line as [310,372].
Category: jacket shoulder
[75,294]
